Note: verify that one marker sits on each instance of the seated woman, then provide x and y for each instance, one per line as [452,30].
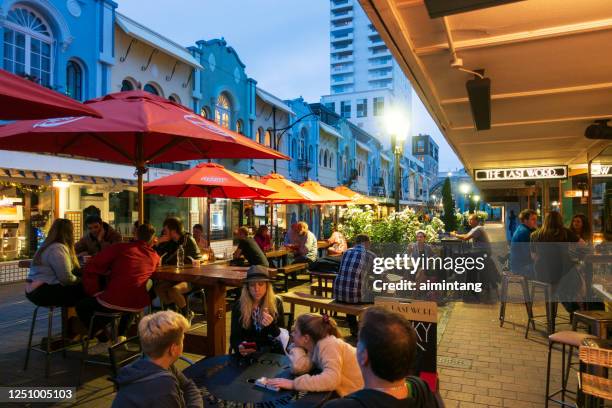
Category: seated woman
[337,243]
[258,316]
[318,343]
[263,238]
[51,280]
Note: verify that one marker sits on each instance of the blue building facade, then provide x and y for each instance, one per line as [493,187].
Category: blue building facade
[64,45]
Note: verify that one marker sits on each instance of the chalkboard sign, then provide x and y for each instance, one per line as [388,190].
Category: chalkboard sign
[424,318]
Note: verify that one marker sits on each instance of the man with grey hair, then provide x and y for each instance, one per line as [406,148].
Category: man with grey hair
[153,381]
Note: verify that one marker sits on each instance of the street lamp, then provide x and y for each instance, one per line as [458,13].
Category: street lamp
[397,126]
[465,189]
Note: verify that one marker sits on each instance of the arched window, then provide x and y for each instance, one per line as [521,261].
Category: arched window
[127,85]
[302,144]
[74,80]
[27,45]
[293,149]
[205,112]
[331,160]
[174,98]
[260,135]
[151,89]
[222,111]
[239,127]
[325,158]
[268,138]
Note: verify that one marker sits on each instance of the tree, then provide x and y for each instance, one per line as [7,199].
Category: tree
[450,221]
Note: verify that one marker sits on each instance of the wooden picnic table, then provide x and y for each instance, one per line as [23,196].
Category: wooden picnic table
[214,278]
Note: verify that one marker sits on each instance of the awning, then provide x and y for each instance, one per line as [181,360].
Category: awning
[549,78]
[273,100]
[40,177]
[155,40]
[363,146]
[330,130]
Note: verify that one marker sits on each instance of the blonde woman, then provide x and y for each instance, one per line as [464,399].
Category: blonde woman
[318,344]
[51,280]
[258,317]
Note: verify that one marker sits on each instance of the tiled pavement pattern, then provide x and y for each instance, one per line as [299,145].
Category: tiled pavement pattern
[480,364]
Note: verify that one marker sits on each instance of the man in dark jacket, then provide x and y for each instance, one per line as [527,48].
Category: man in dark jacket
[153,381]
[385,352]
[99,236]
[520,254]
[172,238]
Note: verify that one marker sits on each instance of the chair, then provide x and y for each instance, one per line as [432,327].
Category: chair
[38,347]
[551,307]
[564,338]
[509,278]
[597,321]
[593,360]
[114,322]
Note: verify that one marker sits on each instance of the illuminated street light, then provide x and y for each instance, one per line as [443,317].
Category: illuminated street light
[476,198]
[396,122]
[464,188]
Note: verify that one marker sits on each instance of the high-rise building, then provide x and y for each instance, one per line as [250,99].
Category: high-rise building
[365,80]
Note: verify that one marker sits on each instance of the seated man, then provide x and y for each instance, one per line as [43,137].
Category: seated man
[303,243]
[153,381]
[247,247]
[203,243]
[351,285]
[520,253]
[127,267]
[99,236]
[385,352]
[173,237]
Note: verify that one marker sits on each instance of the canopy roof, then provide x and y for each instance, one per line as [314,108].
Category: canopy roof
[549,76]
[329,196]
[355,197]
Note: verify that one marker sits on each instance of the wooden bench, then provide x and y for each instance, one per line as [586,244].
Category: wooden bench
[323,284]
[321,303]
[293,269]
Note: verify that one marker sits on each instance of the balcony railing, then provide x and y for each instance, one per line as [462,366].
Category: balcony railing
[340,4]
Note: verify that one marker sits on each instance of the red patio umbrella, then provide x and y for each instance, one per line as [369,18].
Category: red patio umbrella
[210,180]
[23,99]
[137,128]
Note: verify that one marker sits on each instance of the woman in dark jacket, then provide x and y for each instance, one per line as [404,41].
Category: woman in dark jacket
[258,316]
[551,249]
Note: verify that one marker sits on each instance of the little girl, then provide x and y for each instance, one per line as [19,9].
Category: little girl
[317,342]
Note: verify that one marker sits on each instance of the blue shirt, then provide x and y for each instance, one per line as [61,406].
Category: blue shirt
[520,254]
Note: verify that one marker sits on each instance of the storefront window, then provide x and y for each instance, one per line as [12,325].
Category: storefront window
[220,225]
[25,218]
[158,208]
[123,206]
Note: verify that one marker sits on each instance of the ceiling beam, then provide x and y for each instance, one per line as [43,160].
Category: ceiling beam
[522,36]
[514,141]
[537,92]
[538,122]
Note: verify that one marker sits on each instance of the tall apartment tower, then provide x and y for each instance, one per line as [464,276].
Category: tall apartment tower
[365,78]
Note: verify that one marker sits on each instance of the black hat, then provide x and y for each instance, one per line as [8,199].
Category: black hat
[257,273]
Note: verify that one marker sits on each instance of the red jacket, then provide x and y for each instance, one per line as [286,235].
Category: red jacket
[127,267]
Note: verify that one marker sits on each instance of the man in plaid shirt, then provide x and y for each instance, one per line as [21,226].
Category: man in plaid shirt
[351,284]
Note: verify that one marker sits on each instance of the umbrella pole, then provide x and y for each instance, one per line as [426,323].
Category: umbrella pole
[208,219]
[140,171]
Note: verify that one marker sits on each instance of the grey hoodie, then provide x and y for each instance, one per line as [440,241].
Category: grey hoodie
[55,266]
[145,384]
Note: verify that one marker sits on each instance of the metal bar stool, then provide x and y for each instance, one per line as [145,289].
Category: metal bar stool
[115,318]
[564,338]
[509,278]
[551,308]
[38,347]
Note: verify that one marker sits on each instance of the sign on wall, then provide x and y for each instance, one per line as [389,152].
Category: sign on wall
[601,170]
[521,173]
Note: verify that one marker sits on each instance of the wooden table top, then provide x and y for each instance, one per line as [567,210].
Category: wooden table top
[209,274]
[323,244]
[204,274]
[277,253]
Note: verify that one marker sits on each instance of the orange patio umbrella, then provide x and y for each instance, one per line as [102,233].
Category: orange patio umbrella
[289,192]
[330,196]
[355,197]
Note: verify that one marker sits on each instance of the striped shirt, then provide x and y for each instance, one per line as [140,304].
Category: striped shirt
[350,284]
